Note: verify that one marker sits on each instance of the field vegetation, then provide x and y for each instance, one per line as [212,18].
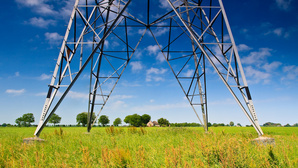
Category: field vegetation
[148,147]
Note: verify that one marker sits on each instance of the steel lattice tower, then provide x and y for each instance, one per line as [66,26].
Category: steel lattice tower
[197,33]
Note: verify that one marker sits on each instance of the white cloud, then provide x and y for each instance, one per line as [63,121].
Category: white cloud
[157,74]
[283,4]
[138,53]
[141,31]
[15,92]
[40,22]
[159,31]
[114,97]
[243,47]
[41,94]
[257,57]
[152,49]
[44,77]
[29,2]
[65,12]
[53,38]
[291,72]
[77,95]
[189,73]
[164,4]
[272,66]
[160,57]
[256,76]
[38,6]
[17,74]
[136,66]
[280,32]
[156,71]
[152,107]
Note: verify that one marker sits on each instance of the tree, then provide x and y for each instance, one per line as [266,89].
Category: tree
[104,120]
[232,123]
[117,122]
[136,120]
[19,121]
[238,124]
[55,119]
[163,122]
[271,124]
[287,125]
[25,120]
[82,118]
[145,118]
[127,119]
[209,124]
[28,119]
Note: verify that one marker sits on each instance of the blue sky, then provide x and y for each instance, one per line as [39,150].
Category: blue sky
[265,33]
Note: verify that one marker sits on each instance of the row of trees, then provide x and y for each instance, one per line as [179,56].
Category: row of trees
[28,118]
[134,120]
[82,119]
[137,120]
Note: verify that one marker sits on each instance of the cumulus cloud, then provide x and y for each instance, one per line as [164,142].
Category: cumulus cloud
[164,4]
[243,47]
[160,57]
[40,22]
[114,97]
[77,95]
[44,77]
[280,32]
[17,74]
[154,74]
[15,92]
[156,71]
[284,4]
[38,6]
[257,76]
[53,38]
[269,67]
[257,57]
[136,66]
[189,73]
[152,49]
[291,72]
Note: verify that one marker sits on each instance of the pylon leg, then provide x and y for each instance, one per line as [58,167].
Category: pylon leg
[68,51]
[230,71]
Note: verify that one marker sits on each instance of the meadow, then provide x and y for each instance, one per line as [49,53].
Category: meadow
[148,147]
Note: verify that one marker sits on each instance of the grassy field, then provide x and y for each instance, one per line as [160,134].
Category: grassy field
[148,147]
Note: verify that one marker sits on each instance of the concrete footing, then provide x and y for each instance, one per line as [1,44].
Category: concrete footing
[32,140]
[264,141]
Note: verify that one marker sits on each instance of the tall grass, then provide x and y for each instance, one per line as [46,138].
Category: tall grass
[148,147]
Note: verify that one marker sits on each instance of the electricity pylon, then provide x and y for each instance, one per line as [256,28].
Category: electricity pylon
[103,35]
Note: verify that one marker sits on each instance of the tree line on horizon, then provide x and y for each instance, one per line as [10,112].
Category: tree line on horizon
[133,120]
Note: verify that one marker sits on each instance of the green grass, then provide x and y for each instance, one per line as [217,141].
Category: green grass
[148,147]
